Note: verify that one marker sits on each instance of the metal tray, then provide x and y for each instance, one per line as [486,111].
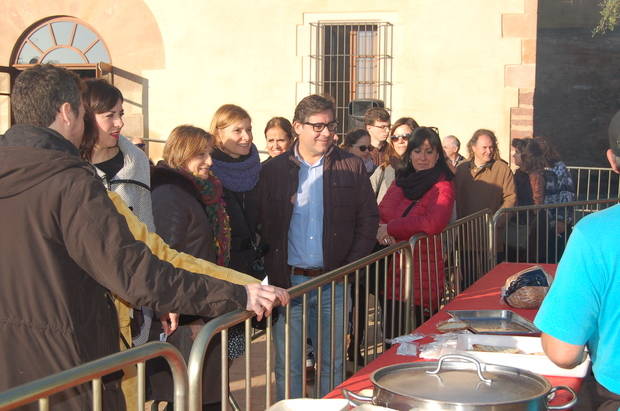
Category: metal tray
[495,322]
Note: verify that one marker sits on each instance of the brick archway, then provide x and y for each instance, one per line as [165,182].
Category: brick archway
[129,28]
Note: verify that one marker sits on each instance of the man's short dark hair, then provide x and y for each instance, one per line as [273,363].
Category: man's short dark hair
[375,114]
[312,105]
[39,92]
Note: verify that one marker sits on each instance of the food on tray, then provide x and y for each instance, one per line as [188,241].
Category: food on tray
[449,326]
[496,348]
[501,326]
[527,288]
[502,349]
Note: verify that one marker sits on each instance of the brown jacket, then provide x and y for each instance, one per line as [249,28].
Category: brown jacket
[378,154]
[64,249]
[490,186]
[350,215]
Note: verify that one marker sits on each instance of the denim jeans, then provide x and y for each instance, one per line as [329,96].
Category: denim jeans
[297,360]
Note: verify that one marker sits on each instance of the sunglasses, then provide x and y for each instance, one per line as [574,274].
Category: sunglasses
[140,145]
[403,137]
[364,148]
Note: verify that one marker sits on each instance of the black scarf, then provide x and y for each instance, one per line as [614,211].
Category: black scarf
[416,183]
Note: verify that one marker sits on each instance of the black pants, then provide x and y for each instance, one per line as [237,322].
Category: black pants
[364,288]
[607,400]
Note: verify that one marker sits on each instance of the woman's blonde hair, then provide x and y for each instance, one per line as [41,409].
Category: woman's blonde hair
[224,117]
[184,142]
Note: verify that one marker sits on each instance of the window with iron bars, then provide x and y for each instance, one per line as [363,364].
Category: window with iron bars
[351,61]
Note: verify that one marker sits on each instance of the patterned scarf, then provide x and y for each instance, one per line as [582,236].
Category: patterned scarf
[211,195]
[237,174]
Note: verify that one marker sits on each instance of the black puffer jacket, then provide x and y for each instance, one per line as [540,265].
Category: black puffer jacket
[181,221]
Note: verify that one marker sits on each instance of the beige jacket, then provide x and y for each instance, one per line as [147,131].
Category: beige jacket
[490,186]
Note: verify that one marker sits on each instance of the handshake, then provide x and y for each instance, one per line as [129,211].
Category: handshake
[262,299]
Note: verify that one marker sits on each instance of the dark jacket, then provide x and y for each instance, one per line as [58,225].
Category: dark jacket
[65,248]
[241,209]
[181,221]
[350,215]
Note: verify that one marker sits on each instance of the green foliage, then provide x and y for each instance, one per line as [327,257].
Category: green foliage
[610,13]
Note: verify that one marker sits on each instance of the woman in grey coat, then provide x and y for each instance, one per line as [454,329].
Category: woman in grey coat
[385,173]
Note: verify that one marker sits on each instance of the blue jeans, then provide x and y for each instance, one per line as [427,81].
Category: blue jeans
[297,360]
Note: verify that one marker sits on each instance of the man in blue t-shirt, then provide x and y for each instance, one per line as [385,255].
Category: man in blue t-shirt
[582,307]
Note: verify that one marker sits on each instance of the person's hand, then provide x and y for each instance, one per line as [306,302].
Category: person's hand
[383,237]
[262,299]
[169,322]
[382,233]
[282,295]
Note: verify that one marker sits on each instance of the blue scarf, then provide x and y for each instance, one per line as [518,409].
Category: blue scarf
[237,174]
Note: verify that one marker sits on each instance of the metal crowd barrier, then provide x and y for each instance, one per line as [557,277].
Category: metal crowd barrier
[595,183]
[447,263]
[367,272]
[539,233]
[43,388]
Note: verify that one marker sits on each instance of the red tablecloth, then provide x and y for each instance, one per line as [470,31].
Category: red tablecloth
[482,295]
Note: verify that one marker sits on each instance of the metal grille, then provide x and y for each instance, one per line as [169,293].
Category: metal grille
[350,61]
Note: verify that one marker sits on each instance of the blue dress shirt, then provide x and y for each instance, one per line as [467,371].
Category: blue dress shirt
[305,233]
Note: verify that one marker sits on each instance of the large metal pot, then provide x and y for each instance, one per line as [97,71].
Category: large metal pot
[460,382]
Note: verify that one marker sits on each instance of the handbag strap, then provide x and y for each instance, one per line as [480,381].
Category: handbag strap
[409,207]
[379,182]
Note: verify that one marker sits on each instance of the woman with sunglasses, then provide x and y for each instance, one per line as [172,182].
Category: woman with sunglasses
[384,175]
[420,201]
[357,142]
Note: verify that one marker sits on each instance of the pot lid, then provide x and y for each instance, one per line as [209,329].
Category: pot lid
[450,380]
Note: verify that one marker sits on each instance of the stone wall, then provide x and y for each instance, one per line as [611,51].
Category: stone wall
[577,91]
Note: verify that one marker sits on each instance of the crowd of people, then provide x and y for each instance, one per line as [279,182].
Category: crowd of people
[85,204]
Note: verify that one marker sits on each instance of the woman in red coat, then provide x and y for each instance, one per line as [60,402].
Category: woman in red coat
[420,200]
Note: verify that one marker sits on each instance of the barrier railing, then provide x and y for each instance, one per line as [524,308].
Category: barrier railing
[595,183]
[43,388]
[331,290]
[539,233]
[446,263]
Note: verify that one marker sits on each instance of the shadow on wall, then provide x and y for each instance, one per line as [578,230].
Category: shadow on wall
[577,83]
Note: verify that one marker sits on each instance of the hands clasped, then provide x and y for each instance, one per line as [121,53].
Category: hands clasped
[262,299]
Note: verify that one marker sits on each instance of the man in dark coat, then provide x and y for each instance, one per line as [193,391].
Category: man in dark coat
[65,249]
[317,212]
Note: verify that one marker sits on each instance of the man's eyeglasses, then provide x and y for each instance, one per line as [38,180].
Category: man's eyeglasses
[384,128]
[403,137]
[318,127]
[364,148]
[140,145]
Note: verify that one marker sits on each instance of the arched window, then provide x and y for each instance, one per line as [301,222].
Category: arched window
[63,41]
